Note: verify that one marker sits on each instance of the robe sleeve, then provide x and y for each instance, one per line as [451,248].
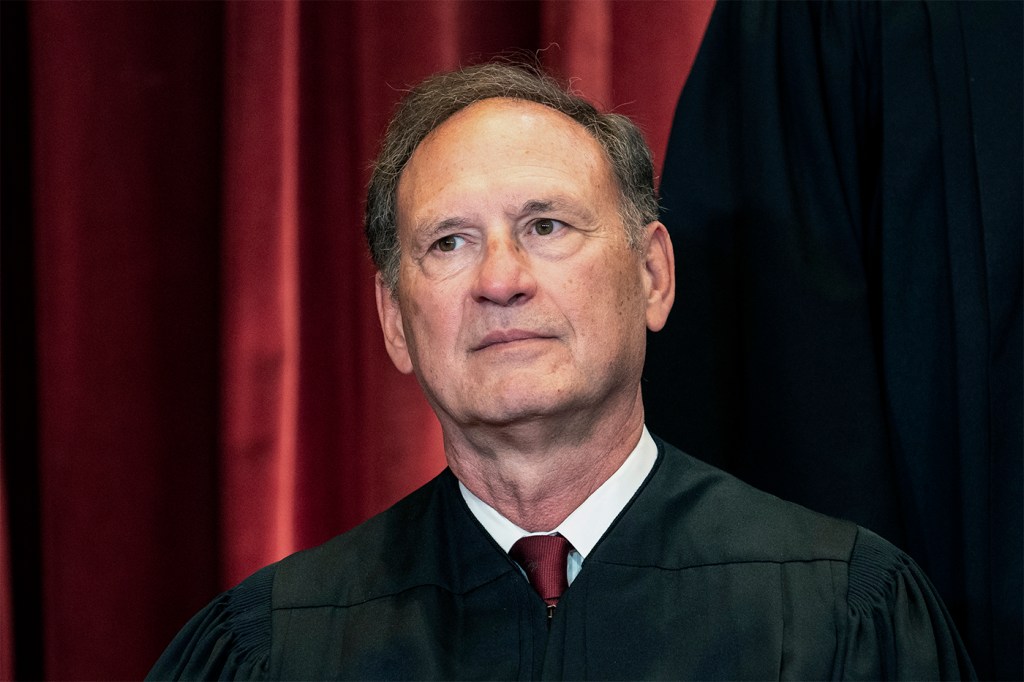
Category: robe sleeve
[227,640]
[897,627]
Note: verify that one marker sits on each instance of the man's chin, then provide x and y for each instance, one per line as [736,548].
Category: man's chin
[509,411]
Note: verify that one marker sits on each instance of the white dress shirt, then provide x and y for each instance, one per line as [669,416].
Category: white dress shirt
[589,521]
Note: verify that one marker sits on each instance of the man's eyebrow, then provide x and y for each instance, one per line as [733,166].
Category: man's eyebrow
[430,229]
[556,204]
[538,206]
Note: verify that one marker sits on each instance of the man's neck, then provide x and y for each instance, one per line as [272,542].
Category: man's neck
[536,474]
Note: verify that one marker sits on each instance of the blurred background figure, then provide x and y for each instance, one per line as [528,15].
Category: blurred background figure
[843,188]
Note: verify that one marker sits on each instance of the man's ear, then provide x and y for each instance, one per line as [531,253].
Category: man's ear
[659,275]
[390,314]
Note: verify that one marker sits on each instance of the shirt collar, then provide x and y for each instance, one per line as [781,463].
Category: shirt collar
[589,521]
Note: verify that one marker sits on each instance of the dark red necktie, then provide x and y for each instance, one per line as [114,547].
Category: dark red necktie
[543,557]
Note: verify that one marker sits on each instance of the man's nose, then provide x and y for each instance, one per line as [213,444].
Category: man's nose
[504,275]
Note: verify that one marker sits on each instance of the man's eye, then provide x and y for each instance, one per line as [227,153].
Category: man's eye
[449,243]
[546,226]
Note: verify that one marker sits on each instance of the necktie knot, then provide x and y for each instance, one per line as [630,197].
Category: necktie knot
[543,558]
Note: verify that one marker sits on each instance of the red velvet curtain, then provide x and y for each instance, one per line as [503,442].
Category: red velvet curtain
[194,379]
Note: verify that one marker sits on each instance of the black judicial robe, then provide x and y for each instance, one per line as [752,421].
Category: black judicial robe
[843,188]
[700,577]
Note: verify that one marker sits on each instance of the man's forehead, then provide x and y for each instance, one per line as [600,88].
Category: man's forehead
[490,119]
[492,136]
[518,131]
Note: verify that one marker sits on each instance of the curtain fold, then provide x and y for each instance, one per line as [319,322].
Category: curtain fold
[211,384]
[6,605]
[125,215]
[590,34]
[260,347]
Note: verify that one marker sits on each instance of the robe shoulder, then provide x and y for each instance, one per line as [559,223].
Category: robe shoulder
[717,519]
[888,619]
[407,546]
[897,626]
[228,640]
[384,556]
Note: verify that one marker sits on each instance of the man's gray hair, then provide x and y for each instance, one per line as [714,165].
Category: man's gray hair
[433,101]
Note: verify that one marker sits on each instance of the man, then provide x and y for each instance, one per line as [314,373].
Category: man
[520,264]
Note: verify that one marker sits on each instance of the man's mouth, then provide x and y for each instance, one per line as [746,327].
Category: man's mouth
[506,336]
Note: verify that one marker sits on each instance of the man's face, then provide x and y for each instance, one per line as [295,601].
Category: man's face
[518,295]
